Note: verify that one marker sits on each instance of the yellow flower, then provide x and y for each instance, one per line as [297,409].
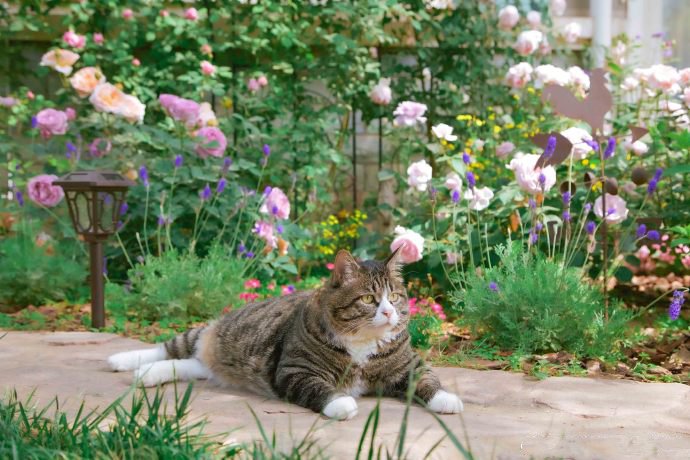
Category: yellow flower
[497,129]
[463,117]
[530,90]
[510,126]
[585,162]
[492,116]
[516,97]
[227,103]
[444,142]
[478,122]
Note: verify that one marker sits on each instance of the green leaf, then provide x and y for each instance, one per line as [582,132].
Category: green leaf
[677,169]
[623,274]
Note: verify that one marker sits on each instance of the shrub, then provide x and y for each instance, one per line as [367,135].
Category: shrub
[37,269]
[178,285]
[533,304]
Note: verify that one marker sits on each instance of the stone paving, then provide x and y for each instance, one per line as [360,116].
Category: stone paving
[507,415]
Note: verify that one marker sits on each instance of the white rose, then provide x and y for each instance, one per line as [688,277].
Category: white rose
[419,175]
[445,132]
[527,176]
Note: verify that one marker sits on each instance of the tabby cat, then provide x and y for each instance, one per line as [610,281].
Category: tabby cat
[319,349]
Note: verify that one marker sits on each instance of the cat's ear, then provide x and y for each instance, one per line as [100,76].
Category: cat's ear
[394,263]
[345,267]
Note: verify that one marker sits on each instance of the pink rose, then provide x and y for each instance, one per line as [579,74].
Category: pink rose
[686,96]
[71,113]
[164,13]
[528,177]
[253,85]
[453,182]
[30,95]
[207,68]
[508,17]
[519,75]
[212,142]
[277,204]
[98,38]
[264,230]
[664,78]
[528,42]
[262,80]
[85,80]
[51,122]
[684,75]
[127,14]
[419,175]
[572,32]
[206,49]
[504,149]
[73,39]
[42,191]
[136,62]
[192,14]
[381,93]
[534,18]
[180,109]
[8,101]
[99,147]
[409,113]
[411,244]
[616,208]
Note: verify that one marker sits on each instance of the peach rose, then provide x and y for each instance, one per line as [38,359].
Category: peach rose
[85,80]
[131,109]
[106,98]
[60,60]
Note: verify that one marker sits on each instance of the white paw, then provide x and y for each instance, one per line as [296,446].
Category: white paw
[342,408]
[130,360]
[445,403]
[150,375]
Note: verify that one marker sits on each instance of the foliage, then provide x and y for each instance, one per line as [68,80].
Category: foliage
[146,428]
[182,286]
[36,269]
[533,304]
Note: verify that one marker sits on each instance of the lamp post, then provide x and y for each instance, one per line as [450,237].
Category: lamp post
[94,199]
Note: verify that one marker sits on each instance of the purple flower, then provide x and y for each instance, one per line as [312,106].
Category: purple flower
[249,255]
[267,150]
[610,148]
[653,235]
[267,190]
[71,148]
[550,147]
[178,161]
[590,227]
[221,185]
[651,187]
[493,286]
[566,198]
[676,303]
[533,237]
[205,194]
[641,231]
[658,173]
[538,226]
[280,229]
[587,208]
[20,198]
[144,175]
[226,165]
[241,248]
[542,179]
[593,144]
[532,204]
[34,122]
[123,208]
[471,181]
[466,158]
[566,216]
[161,220]
[455,196]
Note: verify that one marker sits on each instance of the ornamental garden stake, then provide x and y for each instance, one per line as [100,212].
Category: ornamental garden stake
[94,199]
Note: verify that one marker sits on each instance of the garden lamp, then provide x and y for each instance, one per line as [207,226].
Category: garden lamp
[94,199]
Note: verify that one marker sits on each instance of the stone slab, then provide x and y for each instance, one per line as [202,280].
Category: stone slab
[507,415]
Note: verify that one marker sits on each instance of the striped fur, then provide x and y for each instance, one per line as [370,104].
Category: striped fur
[297,347]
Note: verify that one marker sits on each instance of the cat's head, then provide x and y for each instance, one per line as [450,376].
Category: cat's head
[366,299]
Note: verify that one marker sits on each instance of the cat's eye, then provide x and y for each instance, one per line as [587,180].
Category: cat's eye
[393,297]
[367,298]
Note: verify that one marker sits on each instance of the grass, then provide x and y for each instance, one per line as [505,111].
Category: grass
[147,427]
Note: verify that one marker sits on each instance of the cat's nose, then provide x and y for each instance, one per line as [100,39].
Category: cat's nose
[387,313]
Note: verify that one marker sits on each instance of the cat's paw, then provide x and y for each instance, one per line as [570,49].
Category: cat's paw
[342,408]
[445,403]
[152,374]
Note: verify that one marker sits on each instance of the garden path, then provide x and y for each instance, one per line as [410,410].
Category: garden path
[507,415]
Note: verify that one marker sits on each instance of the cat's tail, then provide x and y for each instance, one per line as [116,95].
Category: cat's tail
[184,345]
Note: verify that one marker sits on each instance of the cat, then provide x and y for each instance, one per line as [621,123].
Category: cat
[319,349]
